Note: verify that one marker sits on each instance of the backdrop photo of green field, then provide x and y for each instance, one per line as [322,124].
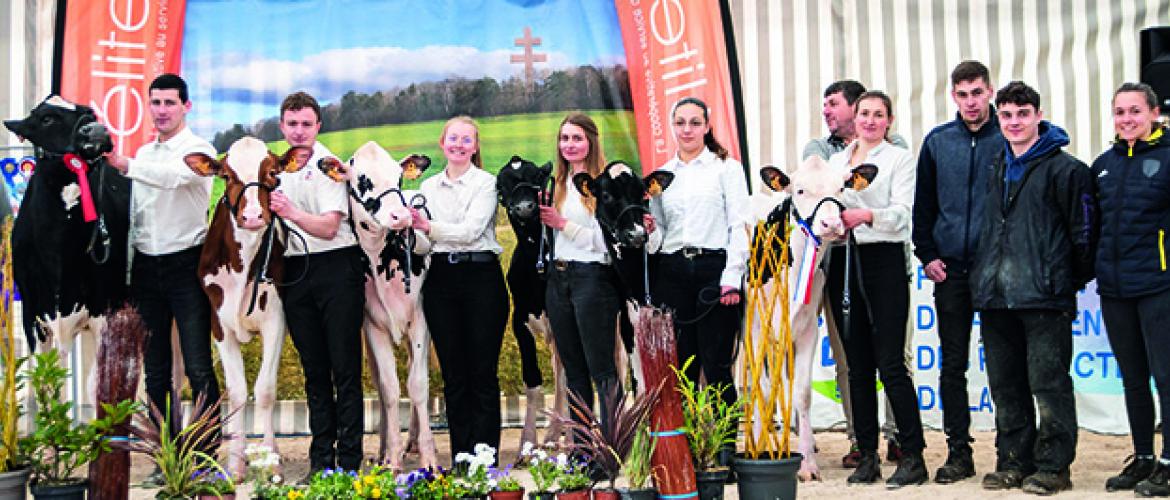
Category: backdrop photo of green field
[531,136]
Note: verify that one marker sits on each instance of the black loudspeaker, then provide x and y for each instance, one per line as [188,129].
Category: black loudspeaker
[1155,43]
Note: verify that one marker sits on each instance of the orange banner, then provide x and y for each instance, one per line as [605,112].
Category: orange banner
[676,49]
[113,49]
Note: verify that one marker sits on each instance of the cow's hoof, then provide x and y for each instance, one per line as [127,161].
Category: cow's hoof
[808,473]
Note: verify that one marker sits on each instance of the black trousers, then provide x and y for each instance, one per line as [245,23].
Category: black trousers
[166,288]
[1139,336]
[324,313]
[877,343]
[1028,355]
[582,310]
[466,307]
[712,339]
[952,302]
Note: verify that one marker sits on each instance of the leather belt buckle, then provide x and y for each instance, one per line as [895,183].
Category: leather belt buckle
[457,257]
[691,252]
[561,265]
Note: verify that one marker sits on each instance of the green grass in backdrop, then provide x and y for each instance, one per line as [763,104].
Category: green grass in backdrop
[533,137]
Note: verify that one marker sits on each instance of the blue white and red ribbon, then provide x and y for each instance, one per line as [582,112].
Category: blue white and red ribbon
[807,265]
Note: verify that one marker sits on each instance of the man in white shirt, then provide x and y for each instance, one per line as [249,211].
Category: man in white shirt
[168,224]
[324,300]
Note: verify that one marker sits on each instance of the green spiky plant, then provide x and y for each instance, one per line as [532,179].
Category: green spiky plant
[710,422]
[180,452]
[10,383]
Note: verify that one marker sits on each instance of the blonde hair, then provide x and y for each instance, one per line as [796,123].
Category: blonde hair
[476,158]
[594,160]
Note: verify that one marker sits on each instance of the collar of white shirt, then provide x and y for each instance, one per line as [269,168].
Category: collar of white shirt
[704,158]
[877,150]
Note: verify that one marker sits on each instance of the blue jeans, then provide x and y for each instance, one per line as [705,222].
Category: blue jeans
[582,310]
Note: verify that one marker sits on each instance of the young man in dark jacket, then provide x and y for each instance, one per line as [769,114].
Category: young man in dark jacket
[1036,249]
[953,168]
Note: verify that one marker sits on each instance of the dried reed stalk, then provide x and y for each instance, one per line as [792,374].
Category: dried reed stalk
[119,362]
[655,340]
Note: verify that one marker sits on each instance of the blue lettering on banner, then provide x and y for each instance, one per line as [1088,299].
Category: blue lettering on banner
[926,357]
[984,401]
[920,277]
[926,399]
[826,352]
[1087,323]
[1086,365]
[925,317]
[982,359]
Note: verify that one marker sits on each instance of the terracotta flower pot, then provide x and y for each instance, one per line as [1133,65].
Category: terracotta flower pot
[507,495]
[574,495]
[225,496]
[606,494]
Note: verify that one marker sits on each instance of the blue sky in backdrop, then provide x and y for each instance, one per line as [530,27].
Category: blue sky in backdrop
[242,57]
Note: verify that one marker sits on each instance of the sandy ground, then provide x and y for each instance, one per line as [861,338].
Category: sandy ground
[1098,457]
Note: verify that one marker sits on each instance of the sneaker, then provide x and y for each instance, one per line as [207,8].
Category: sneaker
[1003,480]
[1136,469]
[851,459]
[911,471]
[868,469]
[1047,483]
[959,465]
[893,451]
[1155,485]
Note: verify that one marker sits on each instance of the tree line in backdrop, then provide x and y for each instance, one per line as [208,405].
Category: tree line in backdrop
[583,87]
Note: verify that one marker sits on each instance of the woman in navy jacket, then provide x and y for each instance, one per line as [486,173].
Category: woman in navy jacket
[1133,188]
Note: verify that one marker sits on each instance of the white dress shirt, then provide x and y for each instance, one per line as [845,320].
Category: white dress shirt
[314,192]
[169,200]
[464,211]
[581,239]
[705,206]
[889,196]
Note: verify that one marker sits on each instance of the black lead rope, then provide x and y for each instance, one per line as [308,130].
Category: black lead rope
[100,237]
[545,232]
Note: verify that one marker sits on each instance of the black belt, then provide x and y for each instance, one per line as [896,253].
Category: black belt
[692,252]
[564,265]
[482,256]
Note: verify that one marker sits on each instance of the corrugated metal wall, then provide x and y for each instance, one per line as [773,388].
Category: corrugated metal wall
[1074,52]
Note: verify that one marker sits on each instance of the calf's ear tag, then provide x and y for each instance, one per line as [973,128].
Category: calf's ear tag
[655,188]
[859,182]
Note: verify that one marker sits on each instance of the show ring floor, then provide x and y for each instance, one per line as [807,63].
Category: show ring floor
[1098,457]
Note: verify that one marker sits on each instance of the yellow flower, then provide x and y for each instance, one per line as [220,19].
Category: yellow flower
[295,494]
[357,485]
[369,480]
[376,493]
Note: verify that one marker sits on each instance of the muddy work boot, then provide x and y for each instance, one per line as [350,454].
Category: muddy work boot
[959,465]
[1003,480]
[1047,483]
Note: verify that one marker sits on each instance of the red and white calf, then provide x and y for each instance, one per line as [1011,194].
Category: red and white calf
[398,261]
[805,196]
[241,264]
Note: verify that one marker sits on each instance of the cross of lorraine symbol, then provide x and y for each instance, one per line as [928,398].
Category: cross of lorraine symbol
[528,57]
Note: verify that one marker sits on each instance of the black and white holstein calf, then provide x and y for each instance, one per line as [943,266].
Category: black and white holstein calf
[69,245]
[520,186]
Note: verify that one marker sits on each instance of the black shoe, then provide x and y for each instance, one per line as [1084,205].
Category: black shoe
[1047,483]
[959,465]
[868,469]
[911,471]
[1135,470]
[1003,480]
[155,479]
[1155,485]
[894,452]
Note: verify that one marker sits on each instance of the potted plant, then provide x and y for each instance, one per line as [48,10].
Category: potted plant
[607,441]
[710,425]
[262,466]
[544,470]
[178,454]
[506,486]
[637,467]
[14,472]
[58,446]
[214,484]
[473,470]
[768,467]
[573,481]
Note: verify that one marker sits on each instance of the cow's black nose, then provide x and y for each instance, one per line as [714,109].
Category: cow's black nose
[523,208]
[636,238]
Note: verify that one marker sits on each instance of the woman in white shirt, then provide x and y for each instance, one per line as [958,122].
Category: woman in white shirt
[700,265]
[465,301]
[879,217]
[581,298]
